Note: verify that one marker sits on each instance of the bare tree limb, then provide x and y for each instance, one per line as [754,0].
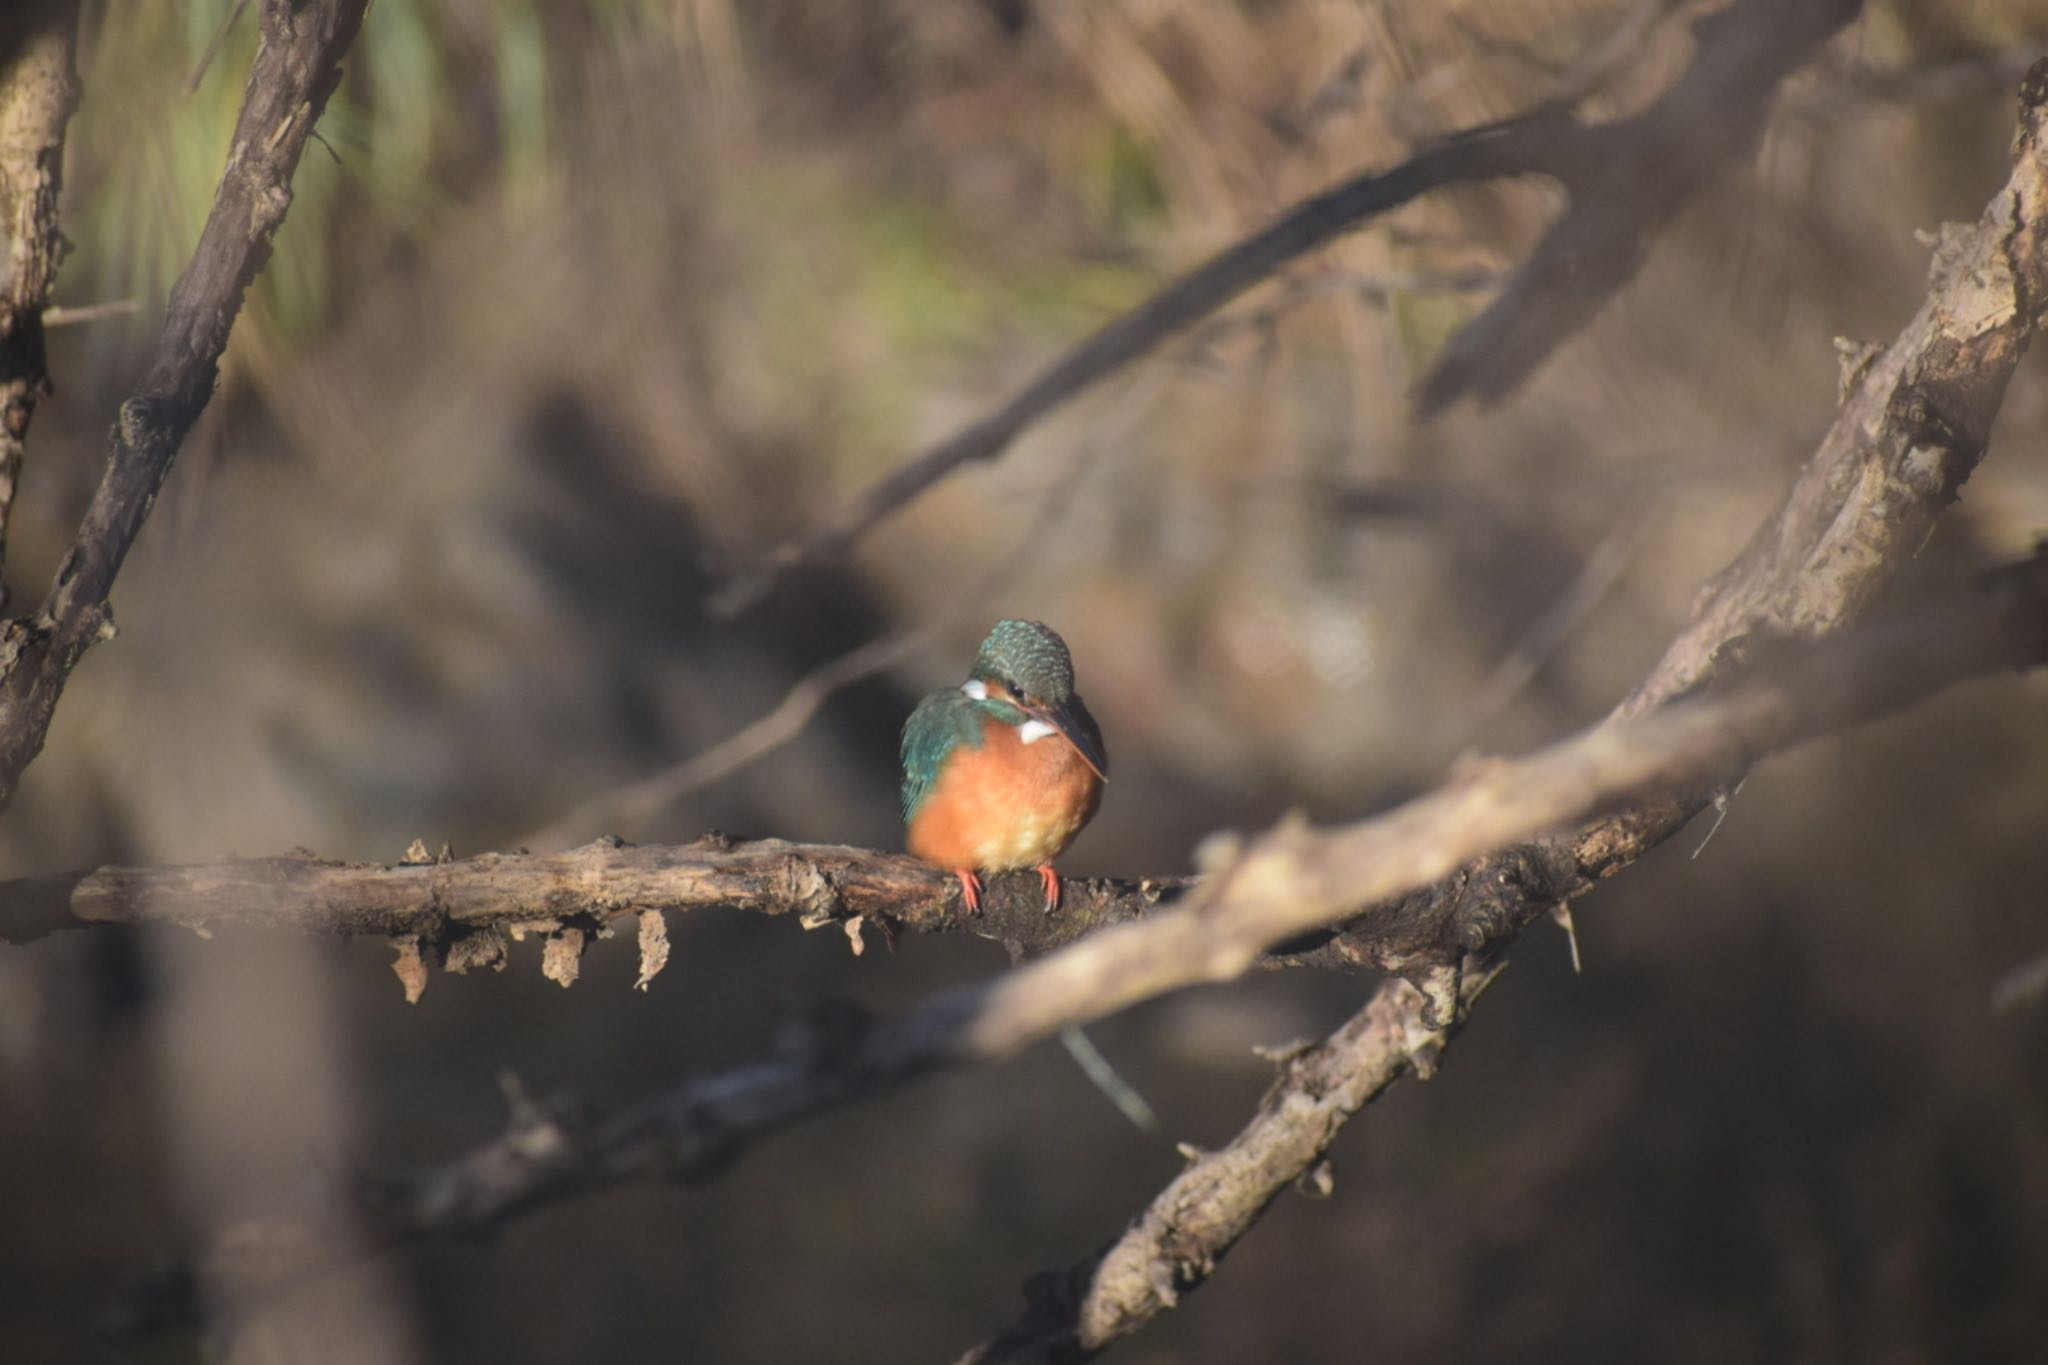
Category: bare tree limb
[1173,1246]
[1627,178]
[1915,421]
[1624,192]
[297,67]
[1852,493]
[1287,881]
[460,912]
[38,91]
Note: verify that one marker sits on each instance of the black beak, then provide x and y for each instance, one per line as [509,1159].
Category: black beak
[1076,732]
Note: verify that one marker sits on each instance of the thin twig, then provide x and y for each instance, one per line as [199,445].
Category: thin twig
[213,46]
[2021,986]
[1596,578]
[90,312]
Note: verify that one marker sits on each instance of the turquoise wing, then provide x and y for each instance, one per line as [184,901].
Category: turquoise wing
[941,723]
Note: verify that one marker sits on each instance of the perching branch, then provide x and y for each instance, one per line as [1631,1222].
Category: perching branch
[297,67]
[38,91]
[1286,882]
[460,913]
[1627,178]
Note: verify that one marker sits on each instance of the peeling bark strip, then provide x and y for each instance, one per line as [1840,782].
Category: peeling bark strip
[38,91]
[1626,178]
[1288,881]
[296,69]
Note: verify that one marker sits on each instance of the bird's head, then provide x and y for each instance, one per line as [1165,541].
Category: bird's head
[1030,662]
[1027,665]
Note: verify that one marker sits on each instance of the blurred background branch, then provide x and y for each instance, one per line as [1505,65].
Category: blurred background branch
[1628,177]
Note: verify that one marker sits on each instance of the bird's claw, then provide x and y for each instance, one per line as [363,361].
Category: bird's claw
[1054,893]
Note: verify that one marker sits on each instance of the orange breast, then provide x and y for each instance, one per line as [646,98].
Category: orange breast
[1005,805]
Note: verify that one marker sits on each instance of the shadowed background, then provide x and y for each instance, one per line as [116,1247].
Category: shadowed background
[591,300]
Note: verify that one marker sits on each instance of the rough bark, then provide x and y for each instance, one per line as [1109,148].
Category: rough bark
[38,91]
[460,913]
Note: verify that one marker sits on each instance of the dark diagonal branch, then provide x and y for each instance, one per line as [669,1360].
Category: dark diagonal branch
[1627,177]
[38,90]
[1655,164]
[1286,882]
[297,67]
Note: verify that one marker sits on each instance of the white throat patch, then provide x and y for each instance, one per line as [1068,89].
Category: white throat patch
[1033,730]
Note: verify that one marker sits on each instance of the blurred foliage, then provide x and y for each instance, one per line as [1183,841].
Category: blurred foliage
[393,150]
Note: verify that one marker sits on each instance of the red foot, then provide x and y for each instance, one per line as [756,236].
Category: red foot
[970,888]
[1053,892]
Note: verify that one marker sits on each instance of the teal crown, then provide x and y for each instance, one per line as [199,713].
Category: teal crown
[1028,658]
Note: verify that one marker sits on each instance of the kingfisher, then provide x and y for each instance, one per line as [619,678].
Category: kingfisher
[1001,772]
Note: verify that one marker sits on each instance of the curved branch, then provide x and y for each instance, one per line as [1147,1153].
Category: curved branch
[1629,177]
[297,67]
